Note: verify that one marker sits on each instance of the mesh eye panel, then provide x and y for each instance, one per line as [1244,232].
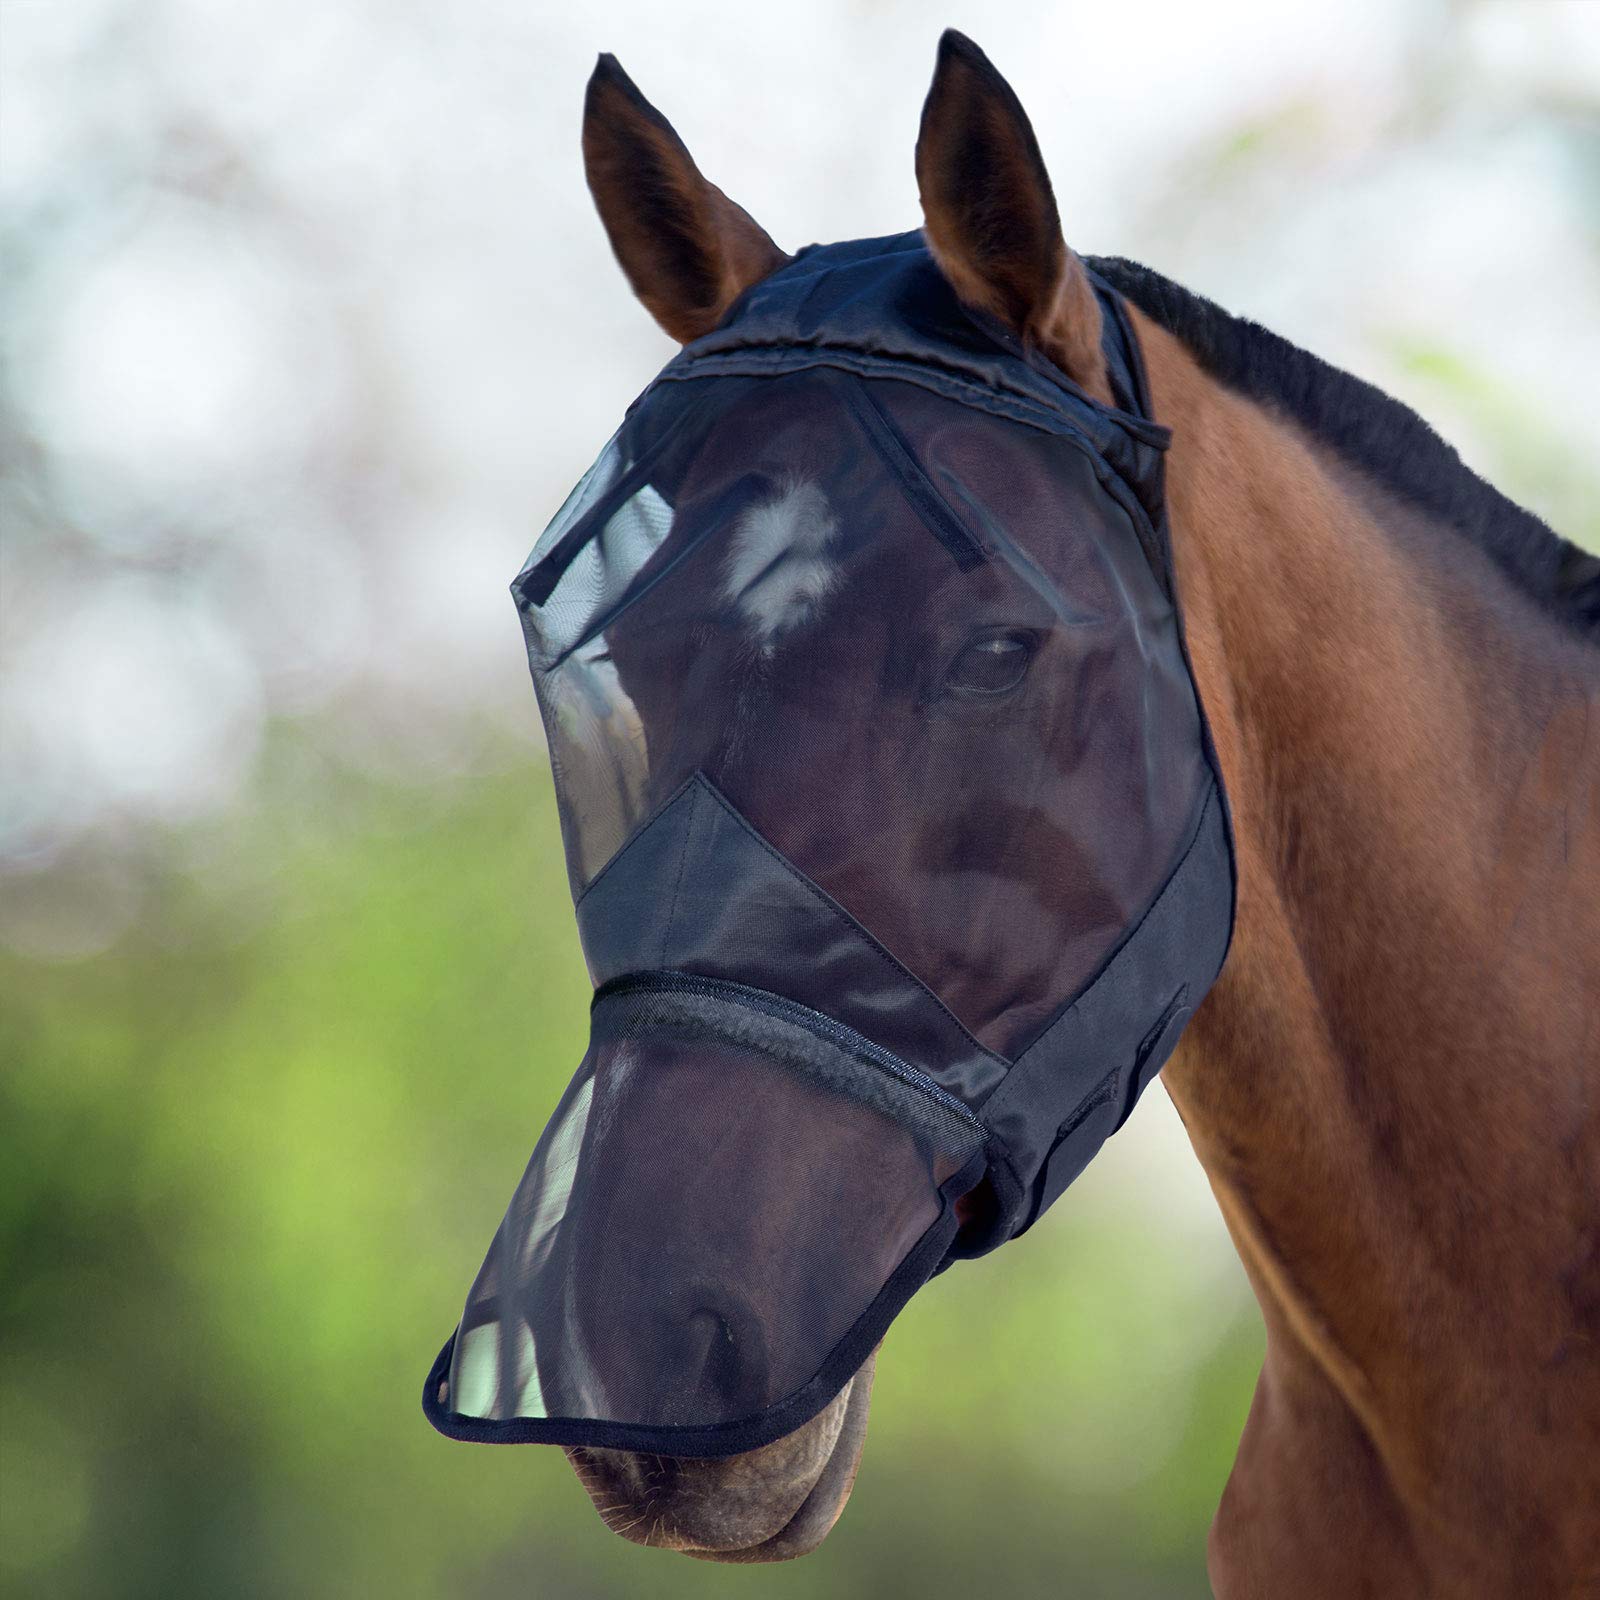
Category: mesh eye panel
[794,596]
[727,1189]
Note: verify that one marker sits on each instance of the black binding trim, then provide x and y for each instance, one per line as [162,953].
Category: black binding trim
[748,1433]
[839,1034]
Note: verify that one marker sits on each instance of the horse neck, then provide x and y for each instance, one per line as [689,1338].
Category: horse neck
[1394,1085]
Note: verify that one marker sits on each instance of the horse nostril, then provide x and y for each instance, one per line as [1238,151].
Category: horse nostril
[726,1351]
[713,1323]
[720,1368]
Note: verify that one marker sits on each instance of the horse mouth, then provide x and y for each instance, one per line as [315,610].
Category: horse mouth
[771,1504]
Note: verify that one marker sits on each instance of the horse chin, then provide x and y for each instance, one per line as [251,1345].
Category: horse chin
[769,1504]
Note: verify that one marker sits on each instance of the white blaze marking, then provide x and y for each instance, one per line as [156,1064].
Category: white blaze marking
[779,570]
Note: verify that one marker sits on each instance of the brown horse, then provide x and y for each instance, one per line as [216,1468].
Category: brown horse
[1395,1084]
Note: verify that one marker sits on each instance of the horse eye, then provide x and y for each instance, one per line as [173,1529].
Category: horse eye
[994,664]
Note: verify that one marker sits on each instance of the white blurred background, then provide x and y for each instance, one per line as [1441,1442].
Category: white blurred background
[311,325]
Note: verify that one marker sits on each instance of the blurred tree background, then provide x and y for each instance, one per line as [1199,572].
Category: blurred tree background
[308,328]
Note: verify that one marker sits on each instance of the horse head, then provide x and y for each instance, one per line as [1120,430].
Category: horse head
[876,746]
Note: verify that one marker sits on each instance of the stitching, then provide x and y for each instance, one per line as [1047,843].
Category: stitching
[786,355]
[765,361]
[683,858]
[1080,1113]
[1133,933]
[634,837]
[1010,1080]
[935,512]
[1153,1037]
[783,360]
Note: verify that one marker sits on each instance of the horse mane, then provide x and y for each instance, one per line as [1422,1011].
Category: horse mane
[1375,432]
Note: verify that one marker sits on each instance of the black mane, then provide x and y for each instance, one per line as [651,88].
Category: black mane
[1375,432]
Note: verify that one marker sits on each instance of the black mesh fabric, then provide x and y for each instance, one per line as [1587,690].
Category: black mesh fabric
[729,1184]
[777,604]
[896,841]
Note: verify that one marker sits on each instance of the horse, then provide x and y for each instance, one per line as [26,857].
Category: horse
[1394,1084]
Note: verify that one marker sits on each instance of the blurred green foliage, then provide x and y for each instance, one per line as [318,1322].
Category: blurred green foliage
[1531,464]
[256,1155]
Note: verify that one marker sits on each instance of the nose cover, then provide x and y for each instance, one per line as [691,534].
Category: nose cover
[898,845]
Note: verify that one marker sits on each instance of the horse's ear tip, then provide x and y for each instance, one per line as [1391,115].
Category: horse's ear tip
[608,74]
[612,93]
[956,46]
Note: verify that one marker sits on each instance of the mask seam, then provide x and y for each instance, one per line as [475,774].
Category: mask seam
[634,837]
[768,357]
[931,508]
[1195,835]
[677,883]
[539,579]
[998,1097]
[829,903]
[1011,405]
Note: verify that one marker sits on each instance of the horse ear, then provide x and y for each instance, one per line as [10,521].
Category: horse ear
[990,215]
[686,248]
